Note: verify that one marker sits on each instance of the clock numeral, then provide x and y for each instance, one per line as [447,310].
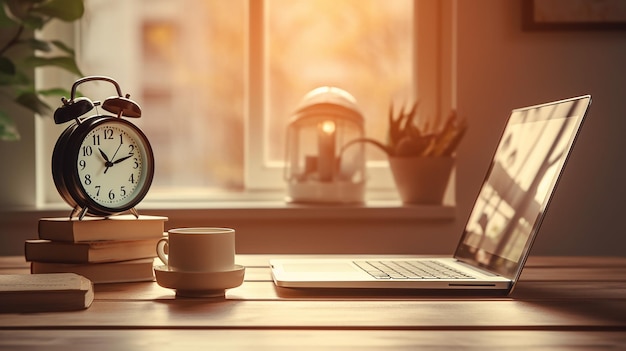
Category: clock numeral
[132,178]
[96,139]
[112,195]
[131,149]
[87,179]
[108,134]
[87,150]
[121,139]
[82,164]
[98,190]
[136,163]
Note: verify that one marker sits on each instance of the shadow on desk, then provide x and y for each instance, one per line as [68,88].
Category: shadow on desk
[597,301]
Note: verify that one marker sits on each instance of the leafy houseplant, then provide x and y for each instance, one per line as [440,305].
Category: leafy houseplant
[421,159]
[18,21]
[406,139]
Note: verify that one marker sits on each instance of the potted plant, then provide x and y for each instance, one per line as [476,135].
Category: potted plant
[18,20]
[421,158]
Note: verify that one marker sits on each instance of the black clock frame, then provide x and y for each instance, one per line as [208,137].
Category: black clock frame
[65,172]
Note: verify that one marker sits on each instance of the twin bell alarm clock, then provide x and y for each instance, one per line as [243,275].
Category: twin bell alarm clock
[101,164]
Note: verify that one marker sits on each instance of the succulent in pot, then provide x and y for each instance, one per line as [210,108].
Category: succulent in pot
[421,159]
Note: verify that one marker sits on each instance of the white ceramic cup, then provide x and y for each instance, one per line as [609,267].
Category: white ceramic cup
[198,249]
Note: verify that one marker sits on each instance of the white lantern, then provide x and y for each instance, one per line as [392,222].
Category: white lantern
[317,166]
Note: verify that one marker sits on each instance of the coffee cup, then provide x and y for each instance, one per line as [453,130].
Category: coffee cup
[198,249]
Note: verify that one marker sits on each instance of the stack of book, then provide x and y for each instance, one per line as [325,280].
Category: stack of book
[104,250]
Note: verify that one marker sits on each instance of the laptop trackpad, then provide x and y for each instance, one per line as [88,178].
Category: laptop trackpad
[320,267]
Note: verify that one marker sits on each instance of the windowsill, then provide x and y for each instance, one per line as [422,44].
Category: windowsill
[379,204]
[274,210]
[282,210]
[192,204]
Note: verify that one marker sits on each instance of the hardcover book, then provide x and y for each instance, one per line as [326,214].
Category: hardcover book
[113,272]
[122,227]
[89,252]
[44,292]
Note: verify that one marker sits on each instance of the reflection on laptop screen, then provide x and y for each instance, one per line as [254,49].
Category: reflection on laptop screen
[510,206]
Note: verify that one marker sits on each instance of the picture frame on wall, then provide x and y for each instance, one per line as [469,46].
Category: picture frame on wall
[574,14]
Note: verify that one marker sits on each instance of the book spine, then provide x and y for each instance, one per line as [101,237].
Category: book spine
[92,252]
[85,231]
[98,273]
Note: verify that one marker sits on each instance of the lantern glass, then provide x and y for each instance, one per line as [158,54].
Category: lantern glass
[320,166]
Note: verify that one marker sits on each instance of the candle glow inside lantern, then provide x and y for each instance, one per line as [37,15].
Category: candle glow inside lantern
[317,166]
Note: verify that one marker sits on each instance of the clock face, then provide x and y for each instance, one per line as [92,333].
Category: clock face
[114,163]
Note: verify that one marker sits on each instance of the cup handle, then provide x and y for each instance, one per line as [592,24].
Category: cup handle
[162,249]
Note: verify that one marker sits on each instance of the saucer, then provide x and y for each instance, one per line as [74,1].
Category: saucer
[199,284]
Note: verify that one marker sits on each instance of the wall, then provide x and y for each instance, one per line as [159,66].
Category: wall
[502,67]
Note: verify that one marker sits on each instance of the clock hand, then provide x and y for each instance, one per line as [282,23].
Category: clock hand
[107,163]
[106,159]
[122,159]
[110,164]
[118,149]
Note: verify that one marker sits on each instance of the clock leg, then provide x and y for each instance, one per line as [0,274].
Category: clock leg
[82,214]
[134,212]
[75,211]
[78,211]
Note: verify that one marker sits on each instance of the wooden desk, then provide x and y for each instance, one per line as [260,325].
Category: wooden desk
[560,303]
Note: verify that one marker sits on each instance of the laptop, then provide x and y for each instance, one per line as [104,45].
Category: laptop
[501,227]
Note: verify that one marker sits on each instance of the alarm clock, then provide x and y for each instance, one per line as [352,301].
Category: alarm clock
[101,165]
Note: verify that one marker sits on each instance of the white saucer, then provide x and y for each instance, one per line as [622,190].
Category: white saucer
[199,284]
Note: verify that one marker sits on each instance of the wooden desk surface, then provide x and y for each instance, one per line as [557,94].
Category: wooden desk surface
[560,303]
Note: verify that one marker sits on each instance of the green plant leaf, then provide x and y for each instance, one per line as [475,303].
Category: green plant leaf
[8,129]
[9,80]
[5,20]
[31,101]
[15,16]
[65,10]
[34,22]
[61,45]
[394,128]
[387,150]
[7,66]
[17,9]
[408,120]
[20,12]
[36,44]
[66,62]
[54,92]
[17,80]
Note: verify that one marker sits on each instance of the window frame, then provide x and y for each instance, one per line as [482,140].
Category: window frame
[436,86]
[433,82]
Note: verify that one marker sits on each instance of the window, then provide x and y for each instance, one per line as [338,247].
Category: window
[364,47]
[217,80]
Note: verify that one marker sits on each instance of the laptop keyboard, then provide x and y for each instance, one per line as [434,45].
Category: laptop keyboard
[410,270]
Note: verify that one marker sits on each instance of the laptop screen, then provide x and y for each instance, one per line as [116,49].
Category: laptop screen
[524,171]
